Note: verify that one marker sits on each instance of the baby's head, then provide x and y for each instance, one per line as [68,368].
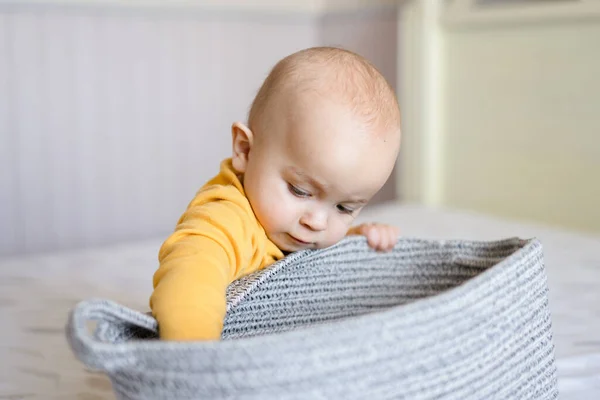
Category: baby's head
[322,138]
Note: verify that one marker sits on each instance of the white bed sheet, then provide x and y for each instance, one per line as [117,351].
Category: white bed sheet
[37,292]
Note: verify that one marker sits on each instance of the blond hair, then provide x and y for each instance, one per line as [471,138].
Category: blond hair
[331,71]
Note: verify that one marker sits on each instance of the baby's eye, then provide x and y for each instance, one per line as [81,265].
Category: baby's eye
[297,192]
[343,209]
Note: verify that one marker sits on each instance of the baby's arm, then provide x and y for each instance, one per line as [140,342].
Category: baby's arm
[379,236]
[197,262]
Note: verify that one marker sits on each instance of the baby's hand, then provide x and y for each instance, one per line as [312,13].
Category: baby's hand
[379,236]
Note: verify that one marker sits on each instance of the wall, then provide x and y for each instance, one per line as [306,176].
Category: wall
[522,123]
[112,117]
[500,111]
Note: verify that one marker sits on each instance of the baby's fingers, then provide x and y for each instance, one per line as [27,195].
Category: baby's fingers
[374,237]
[379,236]
[389,237]
[394,233]
[388,242]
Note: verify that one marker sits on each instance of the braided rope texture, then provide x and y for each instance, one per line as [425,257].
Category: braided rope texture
[428,320]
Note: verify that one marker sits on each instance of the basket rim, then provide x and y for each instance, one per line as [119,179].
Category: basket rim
[141,349]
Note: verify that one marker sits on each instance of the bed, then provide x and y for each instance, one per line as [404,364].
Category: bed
[38,291]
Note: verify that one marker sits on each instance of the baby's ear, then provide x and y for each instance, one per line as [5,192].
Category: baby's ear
[242,138]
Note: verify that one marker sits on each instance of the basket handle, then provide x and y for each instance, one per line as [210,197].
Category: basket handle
[96,351]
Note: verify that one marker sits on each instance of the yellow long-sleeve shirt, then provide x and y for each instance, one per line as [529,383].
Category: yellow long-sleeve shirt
[217,240]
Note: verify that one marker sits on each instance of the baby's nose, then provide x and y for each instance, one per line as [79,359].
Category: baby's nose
[314,220]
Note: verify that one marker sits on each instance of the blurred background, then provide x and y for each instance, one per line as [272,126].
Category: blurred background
[113,113]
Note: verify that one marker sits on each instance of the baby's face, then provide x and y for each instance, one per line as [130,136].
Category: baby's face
[310,175]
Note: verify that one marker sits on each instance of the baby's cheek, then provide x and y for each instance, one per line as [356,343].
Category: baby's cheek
[337,232]
[277,211]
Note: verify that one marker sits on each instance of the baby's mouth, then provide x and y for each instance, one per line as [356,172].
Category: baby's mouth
[300,241]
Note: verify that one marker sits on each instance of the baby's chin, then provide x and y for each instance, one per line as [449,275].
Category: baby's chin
[281,244]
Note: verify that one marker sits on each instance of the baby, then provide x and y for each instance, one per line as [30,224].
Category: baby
[322,138]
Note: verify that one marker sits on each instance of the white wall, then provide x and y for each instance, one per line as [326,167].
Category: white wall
[112,117]
[310,7]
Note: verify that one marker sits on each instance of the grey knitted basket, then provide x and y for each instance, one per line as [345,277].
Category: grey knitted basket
[429,320]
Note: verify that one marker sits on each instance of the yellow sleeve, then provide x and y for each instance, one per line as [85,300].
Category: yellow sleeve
[210,247]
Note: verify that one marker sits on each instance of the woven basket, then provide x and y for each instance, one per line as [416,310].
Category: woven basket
[429,320]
